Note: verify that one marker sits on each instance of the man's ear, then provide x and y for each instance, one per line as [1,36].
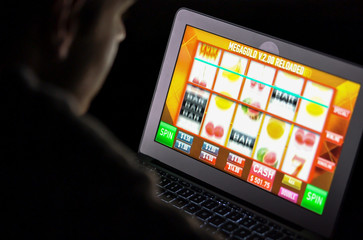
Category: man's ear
[66,20]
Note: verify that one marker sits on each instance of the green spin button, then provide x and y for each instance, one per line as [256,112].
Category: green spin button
[314,199]
[166,134]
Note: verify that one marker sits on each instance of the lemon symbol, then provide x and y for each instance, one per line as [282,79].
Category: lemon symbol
[275,128]
[314,109]
[320,87]
[223,103]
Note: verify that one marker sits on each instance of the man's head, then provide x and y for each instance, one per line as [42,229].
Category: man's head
[70,43]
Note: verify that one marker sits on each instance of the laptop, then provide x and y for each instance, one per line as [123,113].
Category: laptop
[266,129]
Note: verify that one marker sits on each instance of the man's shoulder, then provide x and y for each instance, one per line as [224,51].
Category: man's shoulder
[42,126]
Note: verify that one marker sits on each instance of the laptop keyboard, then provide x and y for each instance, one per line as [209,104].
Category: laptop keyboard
[216,215]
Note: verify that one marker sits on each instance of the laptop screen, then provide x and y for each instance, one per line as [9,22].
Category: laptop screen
[266,120]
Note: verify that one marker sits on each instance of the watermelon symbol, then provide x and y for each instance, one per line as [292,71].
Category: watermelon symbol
[267,157]
[252,113]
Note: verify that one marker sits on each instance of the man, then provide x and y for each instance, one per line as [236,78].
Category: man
[62,174]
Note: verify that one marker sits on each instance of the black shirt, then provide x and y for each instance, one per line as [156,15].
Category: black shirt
[64,176]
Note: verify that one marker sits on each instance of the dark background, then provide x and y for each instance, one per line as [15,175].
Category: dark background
[331,27]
